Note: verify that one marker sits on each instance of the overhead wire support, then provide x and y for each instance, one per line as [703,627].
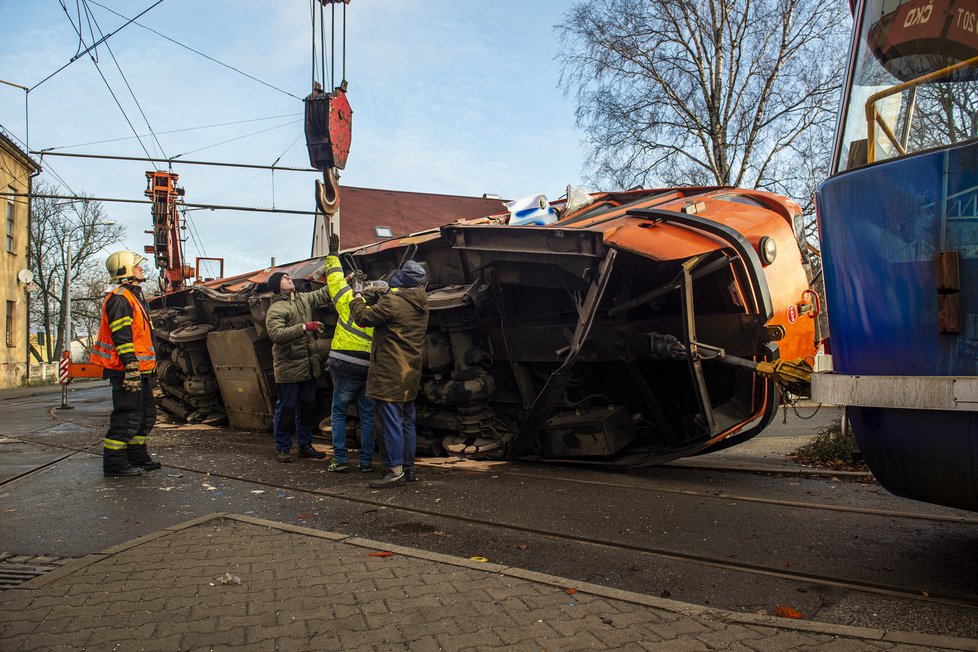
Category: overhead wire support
[170,161]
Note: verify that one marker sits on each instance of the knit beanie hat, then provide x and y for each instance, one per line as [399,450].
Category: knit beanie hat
[411,274]
[274,281]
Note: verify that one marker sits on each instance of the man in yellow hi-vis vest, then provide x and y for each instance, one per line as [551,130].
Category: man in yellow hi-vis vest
[124,348]
[348,362]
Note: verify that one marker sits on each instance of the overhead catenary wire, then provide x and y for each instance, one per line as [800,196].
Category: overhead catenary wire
[126,81]
[197,52]
[275,162]
[48,150]
[47,166]
[114,200]
[231,140]
[81,38]
[110,157]
[103,39]
[119,104]
[192,231]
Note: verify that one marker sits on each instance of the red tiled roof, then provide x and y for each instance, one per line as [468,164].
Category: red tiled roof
[363,209]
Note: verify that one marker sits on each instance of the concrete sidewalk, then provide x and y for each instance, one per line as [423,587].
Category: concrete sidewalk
[234,582]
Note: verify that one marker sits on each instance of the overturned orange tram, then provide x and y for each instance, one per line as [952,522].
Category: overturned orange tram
[644,326]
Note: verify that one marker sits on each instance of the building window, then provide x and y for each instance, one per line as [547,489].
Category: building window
[383,231]
[11,225]
[11,306]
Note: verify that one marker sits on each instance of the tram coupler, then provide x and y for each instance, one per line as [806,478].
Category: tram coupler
[793,375]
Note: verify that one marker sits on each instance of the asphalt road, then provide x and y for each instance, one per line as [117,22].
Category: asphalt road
[679,530]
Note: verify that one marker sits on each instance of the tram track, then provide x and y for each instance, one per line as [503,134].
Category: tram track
[788,574]
[646,488]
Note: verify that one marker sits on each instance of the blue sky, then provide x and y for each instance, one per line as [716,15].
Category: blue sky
[453,97]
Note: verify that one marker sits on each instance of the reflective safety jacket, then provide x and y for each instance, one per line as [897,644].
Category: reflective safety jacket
[125,333]
[349,353]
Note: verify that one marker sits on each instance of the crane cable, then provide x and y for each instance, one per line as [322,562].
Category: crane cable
[319,57]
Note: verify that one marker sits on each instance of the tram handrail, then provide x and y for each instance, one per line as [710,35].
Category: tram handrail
[873,117]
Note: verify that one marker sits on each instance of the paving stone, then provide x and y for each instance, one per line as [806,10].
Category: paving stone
[784,640]
[684,644]
[302,592]
[296,629]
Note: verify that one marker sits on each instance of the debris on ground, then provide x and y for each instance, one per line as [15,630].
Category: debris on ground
[228,578]
[831,448]
[784,611]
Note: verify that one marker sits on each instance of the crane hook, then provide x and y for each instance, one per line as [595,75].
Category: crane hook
[328,193]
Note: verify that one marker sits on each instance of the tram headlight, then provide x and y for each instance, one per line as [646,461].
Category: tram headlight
[768,249]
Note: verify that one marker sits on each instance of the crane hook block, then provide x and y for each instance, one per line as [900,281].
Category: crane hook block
[328,122]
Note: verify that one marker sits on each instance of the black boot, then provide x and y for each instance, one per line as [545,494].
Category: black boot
[309,452]
[389,479]
[139,457]
[409,474]
[115,464]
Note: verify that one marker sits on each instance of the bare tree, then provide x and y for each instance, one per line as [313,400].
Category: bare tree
[55,224]
[712,92]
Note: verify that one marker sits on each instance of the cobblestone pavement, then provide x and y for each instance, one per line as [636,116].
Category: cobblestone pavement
[235,582]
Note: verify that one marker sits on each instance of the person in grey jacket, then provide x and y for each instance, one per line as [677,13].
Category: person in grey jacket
[400,321]
[295,362]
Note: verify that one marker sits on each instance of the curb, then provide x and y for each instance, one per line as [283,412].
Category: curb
[673,606]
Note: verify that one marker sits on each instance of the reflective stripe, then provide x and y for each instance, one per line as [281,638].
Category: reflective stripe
[119,324]
[350,328]
[343,290]
[333,270]
[138,440]
[114,444]
[100,354]
[145,357]
[129,347]
[349,358]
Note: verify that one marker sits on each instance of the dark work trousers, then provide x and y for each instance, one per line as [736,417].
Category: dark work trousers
[400,436]
[133,417]
[295,401]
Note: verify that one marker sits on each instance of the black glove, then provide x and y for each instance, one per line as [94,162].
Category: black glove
[132,382]
[334,244]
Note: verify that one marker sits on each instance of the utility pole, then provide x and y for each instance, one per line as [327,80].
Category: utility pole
[66,299]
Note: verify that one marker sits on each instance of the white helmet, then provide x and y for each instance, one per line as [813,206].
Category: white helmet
[120,264]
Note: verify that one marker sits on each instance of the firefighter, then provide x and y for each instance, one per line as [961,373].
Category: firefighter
[295,362]
[400,321]
[348,363]
[124,349]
